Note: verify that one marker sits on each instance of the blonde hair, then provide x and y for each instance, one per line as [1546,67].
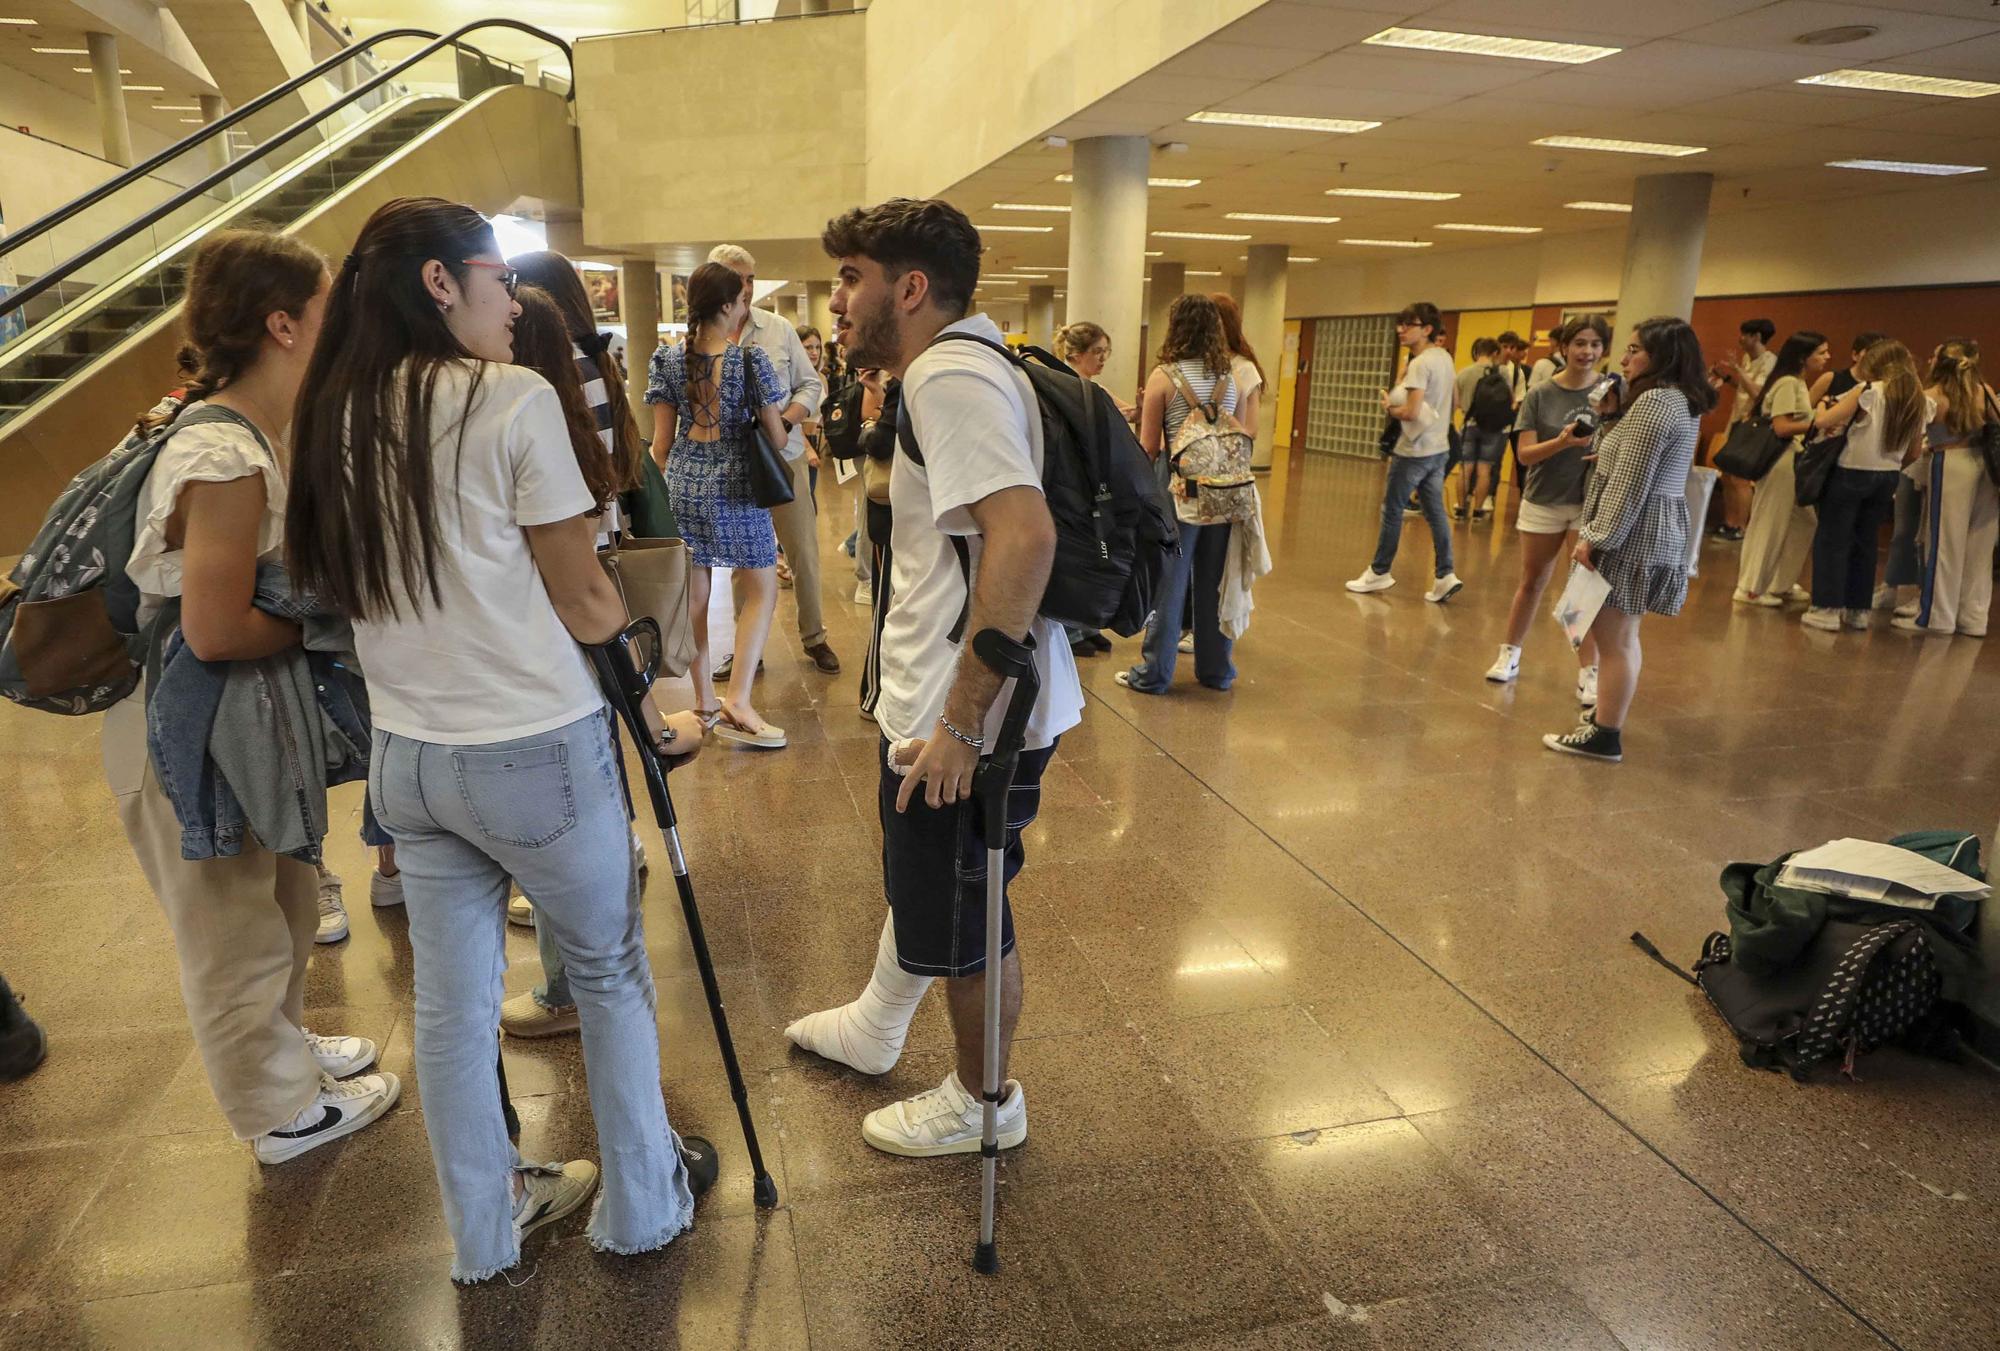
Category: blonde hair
[1955,374]
[1073,340]
[1890,364]
[734,257]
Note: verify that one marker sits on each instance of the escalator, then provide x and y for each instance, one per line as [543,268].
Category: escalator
[87,337]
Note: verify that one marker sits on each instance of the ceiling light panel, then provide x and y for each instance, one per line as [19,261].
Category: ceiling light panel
[1620,147]
[1030,206]
[1897,166]
[1625,207]
[1390,243]
[1890,82]
[1201,274]
[1151,182]
[61,51]
[1278,122]
[1484,44]
[1471,228]
[1393,194]
[1015,229]
[144,88]
[1199,234]
[1281,217]
[85,70]
[18,23]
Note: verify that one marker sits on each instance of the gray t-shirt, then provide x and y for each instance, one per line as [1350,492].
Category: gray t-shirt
[1429,432]
[1559,480]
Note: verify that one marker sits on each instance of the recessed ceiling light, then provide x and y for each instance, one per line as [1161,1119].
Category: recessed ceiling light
[1151,182]
[61,51]
[1836,37]
[1390,243]
[1201,274]
[1028,206]
[1156,253]
[1198,234]
[1484,44]
[176,108]
[1279,216]
[19,23]
[1619,147]
[1278,122]
[85,70]
[1600,206]
[1890,82]
[1393,194]
[1489,229]
[1896,166]
[194,120]
[144,88]
[1025,268]
[1016,229]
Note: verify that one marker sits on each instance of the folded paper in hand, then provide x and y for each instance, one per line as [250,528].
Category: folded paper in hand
[1878,872]
[1583,596]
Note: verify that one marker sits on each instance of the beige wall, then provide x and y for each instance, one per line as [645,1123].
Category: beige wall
[675,152]
[37,176]
[1926,237]
[55,114]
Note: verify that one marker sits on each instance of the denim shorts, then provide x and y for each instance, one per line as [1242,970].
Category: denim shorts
[934,871]
[1482,446]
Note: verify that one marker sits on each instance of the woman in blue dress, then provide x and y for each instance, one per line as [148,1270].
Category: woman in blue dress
[710,396]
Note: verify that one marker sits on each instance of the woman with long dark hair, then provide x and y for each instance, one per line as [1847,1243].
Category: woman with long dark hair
[1194,354]
[1884,416]
[1635,517]
[1779,538]
[438,502]
[709,396]
[212,512]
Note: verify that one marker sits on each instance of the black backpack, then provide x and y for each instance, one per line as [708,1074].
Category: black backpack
[1115,529]
[1492,407]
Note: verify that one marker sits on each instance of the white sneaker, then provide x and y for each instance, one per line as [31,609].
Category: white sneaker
[1505,666]
[332,910]
[1186,645]
[342,1108]
[520,911]
[1586,687]
[1908,611]
[339,1057]
[864,594]
[1885,597]
[1798,595]
[1821,617]
[384,892]
[1444,588]
[1742,597]
[550,1191]
[1371,580]
[1854,619]
[944,1120]
[1909,624]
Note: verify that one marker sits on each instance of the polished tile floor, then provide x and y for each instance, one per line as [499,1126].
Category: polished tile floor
[1334,1037]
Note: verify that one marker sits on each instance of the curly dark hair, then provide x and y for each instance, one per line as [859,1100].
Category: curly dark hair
[1194,333]
[905,235]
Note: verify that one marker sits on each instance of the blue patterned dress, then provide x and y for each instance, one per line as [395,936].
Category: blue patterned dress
[708,482]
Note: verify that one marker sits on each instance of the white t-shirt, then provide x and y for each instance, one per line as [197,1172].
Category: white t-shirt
[214,452]
[1867,433]
[1544,371]
[1243,375]
[491,662]
[972,417]
[1429,432]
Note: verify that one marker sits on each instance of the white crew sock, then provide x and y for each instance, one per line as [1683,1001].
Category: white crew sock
[868,1034]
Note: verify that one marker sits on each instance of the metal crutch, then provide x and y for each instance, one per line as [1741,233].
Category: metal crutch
[627,681]
[991,781]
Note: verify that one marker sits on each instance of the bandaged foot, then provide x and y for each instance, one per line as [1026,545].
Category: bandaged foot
[868,1034]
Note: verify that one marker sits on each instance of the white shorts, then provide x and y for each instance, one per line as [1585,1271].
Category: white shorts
[1537,519]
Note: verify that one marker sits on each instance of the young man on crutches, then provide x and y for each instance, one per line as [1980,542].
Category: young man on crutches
[973,544]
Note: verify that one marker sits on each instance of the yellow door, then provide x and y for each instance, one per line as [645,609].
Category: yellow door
[1288,385]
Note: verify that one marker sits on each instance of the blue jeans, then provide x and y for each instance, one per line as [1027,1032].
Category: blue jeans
[1423,474]
[1204,554]
[546,810]
[1482,446]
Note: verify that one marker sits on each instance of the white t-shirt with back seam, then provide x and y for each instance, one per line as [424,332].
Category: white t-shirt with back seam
[490,661]
[1429,432]
[975,421]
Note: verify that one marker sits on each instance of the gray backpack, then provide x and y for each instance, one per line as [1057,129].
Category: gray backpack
[69,616]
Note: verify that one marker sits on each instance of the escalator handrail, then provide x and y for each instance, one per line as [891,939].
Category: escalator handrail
[56,274]
[221,125]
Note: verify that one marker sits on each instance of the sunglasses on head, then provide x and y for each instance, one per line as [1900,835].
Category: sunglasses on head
[509,278]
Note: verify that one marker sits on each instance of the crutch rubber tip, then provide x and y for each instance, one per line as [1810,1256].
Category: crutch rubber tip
[765,1190]
[986,1259]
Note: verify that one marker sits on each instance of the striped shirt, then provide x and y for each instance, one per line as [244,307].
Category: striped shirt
[599,400]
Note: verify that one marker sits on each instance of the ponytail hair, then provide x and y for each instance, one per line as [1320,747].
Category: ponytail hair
[1890,364]
[1955,373]
[237,280]
[556,276]
[710,291]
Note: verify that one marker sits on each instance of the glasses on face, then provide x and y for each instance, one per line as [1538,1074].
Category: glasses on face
[509,278]
[1632,349]
[1099,352]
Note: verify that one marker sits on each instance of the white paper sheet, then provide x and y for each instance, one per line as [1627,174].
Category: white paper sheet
[1582,597]
[1878,872]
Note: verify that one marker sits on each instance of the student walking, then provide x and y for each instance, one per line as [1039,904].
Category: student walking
[1422,404]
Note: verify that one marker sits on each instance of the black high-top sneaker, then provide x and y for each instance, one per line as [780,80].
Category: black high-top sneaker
[22,1045]
[1588,740]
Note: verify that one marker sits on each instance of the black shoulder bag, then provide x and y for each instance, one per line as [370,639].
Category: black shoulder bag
[770,476]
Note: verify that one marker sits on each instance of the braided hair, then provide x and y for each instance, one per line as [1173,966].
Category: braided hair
[710,291]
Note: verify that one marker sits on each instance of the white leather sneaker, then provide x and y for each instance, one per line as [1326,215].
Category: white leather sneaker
[1371,580]
[1505,666]
[341,1108]
[1444,588]
[340,1056]
[944,1120]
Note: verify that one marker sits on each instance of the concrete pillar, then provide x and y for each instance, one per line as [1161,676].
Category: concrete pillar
[1107,247]
[1040,325]
[639,301]
[1234,284]
[1169,284]
[216,148]
[1663,242]
[302,20]
[1264,328]
[802,311]
[819,302]
[109,86]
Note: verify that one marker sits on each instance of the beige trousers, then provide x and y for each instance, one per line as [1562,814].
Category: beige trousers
[1779,538]
[243,928]
[1961,524]
[797,523]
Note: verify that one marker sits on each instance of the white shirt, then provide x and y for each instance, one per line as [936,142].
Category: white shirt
[1867,432]
[971,414]
[491,662]
[214,452]
[789,359]
[1243,375]
[1429,432]
[1544,371]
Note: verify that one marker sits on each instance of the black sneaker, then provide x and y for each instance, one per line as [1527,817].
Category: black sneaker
[1100,642]
[22,1044]
[1728,532]
[727,667]
[1588,740]
[702,1164]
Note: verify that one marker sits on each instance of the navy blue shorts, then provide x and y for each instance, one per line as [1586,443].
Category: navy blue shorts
[934,871]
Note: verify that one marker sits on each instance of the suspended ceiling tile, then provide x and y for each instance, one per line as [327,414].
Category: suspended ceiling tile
[1774,28]
[1218,60]
[1320,100]
[1580,87]
[1611,20]
[1308,28]
[1161,86]
[1797,105]
[1673,61]
[1385,68]
[1973,59]
[1973,119]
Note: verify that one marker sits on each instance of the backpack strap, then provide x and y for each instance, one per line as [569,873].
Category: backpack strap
[1210,409]
[907,440]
